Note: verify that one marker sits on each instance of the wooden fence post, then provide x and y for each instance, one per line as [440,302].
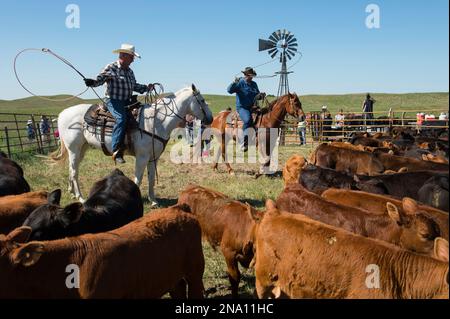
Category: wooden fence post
[18,132]
[38,135]
[7,142]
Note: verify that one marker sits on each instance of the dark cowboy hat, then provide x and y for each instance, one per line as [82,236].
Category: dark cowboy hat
[249,71]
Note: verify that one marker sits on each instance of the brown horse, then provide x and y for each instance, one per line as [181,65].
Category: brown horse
[286,104]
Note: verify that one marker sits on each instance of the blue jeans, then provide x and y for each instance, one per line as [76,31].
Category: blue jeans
[302,135]
[117,109]
[246,117]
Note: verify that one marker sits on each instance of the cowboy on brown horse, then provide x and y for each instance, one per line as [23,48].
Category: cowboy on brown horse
[247,92]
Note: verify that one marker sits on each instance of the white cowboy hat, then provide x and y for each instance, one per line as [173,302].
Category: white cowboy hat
[127,48]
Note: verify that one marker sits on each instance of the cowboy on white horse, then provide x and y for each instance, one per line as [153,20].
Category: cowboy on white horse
[120,84]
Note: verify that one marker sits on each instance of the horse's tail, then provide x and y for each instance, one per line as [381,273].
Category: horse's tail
[60,155]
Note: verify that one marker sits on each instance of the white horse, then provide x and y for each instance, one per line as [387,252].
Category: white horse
[159,121]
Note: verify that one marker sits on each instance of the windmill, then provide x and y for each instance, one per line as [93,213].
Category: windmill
[284,44]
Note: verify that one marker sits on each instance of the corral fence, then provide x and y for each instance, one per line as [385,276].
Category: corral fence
[322,127]
[26,133]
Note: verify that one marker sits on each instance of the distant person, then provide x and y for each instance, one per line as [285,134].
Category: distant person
[367,108]
[44,126]
[301,129]
[30,131]
[247,92]
[190,129]
[205,146]
[339,119]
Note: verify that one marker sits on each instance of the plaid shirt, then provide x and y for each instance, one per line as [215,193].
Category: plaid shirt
[120,82]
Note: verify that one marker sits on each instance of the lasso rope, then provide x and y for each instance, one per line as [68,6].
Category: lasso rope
[48,51]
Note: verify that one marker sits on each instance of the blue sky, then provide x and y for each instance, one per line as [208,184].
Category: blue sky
[208,42]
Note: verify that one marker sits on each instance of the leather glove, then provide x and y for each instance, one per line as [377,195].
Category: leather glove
[260,96]
[89,82]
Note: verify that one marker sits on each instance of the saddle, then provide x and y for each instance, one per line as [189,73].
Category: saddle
[234,120]
[98,118]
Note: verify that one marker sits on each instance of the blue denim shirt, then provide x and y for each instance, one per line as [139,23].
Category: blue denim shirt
[245,93]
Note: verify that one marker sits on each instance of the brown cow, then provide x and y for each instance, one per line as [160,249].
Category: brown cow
[225,223]
[415,232]
[393,162]
[435,158]
[14,209]
[378,204]
[155,254]
[346,160]
[297,257]
[387,148]
[292,168]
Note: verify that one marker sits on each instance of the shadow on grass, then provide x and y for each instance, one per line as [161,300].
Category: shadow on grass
[253,202]
[246,289]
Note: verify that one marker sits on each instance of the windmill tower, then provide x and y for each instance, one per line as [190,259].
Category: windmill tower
[284,44]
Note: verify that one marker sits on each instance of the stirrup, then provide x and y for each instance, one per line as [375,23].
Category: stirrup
[118,157]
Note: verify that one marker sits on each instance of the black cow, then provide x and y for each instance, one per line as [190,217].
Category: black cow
[113,202]
[398,185]
[12,181]
[435,192]
[318,179]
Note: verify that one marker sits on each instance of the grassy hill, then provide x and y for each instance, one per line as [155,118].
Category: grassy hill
[348,102]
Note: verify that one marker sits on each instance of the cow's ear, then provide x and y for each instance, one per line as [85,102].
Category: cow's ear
[270,205]
[70,214]
[54,198]
[19,235]
[28,254]
[441,249]
[410,206]
[393,212]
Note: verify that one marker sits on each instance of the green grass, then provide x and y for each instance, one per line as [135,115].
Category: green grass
[348,102]
[42,175]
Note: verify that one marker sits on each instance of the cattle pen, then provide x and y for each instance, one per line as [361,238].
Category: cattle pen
[21,133]
[320,128]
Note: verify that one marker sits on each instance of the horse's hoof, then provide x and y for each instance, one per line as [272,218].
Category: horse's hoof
[81,200]
[231,173]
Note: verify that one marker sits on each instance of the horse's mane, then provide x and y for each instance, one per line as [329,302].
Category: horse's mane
[272,104]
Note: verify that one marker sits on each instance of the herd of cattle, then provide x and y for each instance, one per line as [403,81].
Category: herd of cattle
[379,203]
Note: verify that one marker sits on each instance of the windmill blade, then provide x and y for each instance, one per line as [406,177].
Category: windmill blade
[289,38]
[272,38]
[273,53]
[292,50]
[288,55]
[285,33]
[293,40]
[273,50]
[265,45]
[293,45]
[292,53]
[278,32]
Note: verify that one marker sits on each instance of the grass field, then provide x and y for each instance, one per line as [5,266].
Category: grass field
[348,102]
